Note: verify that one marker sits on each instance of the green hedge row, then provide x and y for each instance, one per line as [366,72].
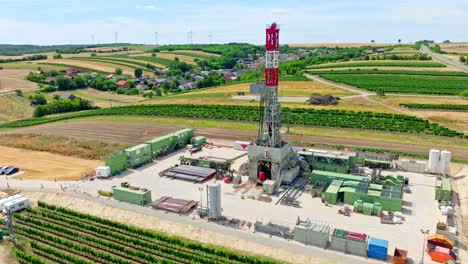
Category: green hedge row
[297,116]
[455,107]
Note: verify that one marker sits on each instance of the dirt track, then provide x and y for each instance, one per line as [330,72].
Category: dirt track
[127,132]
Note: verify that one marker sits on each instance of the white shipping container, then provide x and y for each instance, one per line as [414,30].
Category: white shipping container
[103,171]
[241,145]
[16,205]
[413,166]
[5,200]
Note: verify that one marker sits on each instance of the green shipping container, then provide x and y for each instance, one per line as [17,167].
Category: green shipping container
[140,197]
[368,208]
[332,192]
[162,145]
[184,136]
[328,177]
[138,155]
[200,140]
[117,162]
[443,191]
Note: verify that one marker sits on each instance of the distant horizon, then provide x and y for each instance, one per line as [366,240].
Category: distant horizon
[46,22]
[306,43]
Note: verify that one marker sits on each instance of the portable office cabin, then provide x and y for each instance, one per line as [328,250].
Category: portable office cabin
[116,162]
[162,145]
[16,205]
[134,196]
[138,155]
[11,198]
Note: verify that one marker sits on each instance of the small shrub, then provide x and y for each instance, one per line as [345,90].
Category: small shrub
[19,92]
[105,193]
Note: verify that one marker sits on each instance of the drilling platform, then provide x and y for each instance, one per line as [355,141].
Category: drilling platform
[270,158]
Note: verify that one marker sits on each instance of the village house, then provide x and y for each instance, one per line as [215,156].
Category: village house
[72,71]
[50,79]
[67,96]
[122,84]
[142,87]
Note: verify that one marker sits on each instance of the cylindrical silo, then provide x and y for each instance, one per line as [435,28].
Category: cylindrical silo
[445,157]
[434,161]
[214,200]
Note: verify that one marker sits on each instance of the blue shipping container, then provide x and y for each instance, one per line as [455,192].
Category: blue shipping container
[377,248]
[377,255]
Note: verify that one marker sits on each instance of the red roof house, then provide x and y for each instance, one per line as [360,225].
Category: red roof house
[122,84]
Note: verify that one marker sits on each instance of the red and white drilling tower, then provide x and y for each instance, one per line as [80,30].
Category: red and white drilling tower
[270,158]
[270,120]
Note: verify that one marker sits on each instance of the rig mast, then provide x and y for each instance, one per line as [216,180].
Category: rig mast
[270,120]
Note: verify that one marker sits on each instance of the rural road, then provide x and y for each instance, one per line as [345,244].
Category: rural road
[133,133]
[443,59]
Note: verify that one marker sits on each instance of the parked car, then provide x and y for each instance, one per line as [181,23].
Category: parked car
[10,170]
[2,169]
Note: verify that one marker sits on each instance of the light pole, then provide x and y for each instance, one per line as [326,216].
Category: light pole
[201,196]
[424,232]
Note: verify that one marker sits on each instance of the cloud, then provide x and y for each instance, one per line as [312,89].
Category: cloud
[149,7]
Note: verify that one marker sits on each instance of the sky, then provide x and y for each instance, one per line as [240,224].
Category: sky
[47,22]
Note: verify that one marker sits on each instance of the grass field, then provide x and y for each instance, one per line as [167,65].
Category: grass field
[31,66]
[55,233]
[12,79]
[85,149]
[40,164]
[106,99]
[376,63]
[403,83]
[93,66]
[130,65]
[161,61]
[192,52]
[14,107]
[202,56]
[171,56]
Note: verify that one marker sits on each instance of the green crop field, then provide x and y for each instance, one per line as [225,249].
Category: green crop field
[72,66]
[59,235]
[402,63]
[453,107]
[297,116]
[403,83]
[393,72]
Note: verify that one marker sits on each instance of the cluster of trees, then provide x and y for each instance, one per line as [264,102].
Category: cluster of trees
[420,56]
[464,59]
[26,58]
[61,82]
[62,106]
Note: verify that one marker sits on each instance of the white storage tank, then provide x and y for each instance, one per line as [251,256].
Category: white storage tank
[214,200]
[103,171]
[241,145]
[444,166]
[434,161]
